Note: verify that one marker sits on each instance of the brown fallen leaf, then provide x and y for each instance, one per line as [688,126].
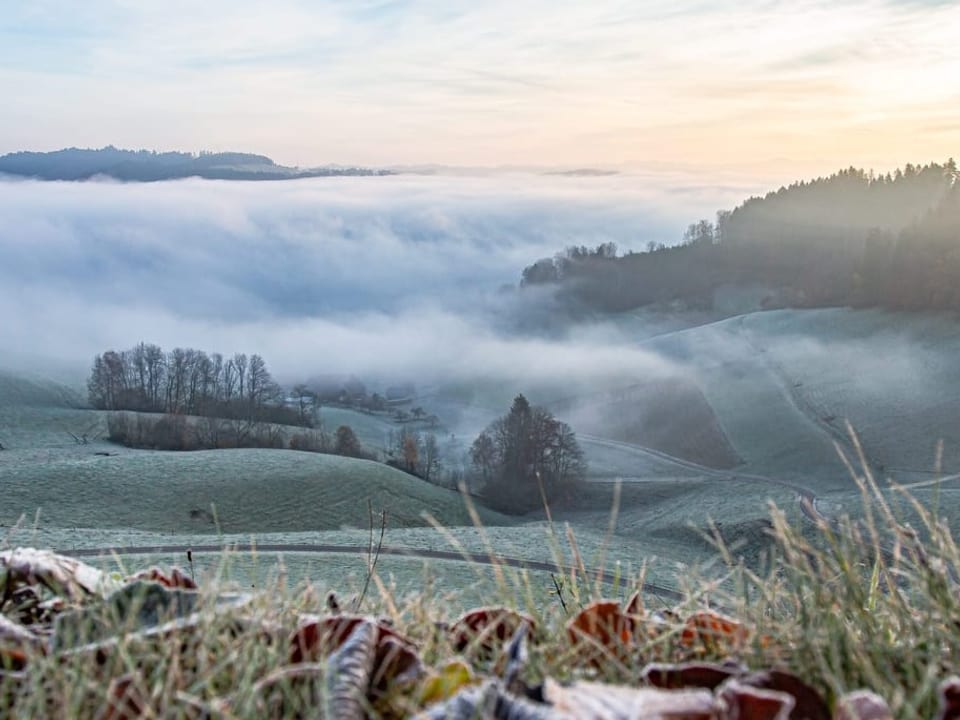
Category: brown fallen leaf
[175,579]
[60,574]
[744,702]
[689,675]
[949,699]
[708,630]
[318,635]
[394,662]
[634,606]
[601,631]
[862,705]
[808,703]
[486,628]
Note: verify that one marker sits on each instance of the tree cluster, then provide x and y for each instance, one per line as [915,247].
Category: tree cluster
[525,457]
[170,431]
[416,453]
[344,442]
[852,238]
[185,381]
[185,433]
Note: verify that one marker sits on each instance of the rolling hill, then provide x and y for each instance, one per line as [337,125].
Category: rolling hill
[771,390]
[100,485]
[235,491]
[149,166]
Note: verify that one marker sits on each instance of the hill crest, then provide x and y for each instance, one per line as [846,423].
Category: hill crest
[150,166]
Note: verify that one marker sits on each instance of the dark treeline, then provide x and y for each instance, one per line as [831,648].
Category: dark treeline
[149,165]
[185,381]
[852,238]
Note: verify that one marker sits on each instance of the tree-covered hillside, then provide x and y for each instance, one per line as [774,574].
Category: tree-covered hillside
[852,238]
[149,165]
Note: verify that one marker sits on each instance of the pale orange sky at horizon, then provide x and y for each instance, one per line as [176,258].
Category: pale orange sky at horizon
[758,89]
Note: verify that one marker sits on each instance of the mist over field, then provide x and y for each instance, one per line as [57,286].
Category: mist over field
[397,276]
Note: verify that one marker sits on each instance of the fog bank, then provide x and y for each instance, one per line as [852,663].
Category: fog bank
[395,276]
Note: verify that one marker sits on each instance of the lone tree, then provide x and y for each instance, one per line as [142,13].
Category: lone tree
[346,443]
[525,449]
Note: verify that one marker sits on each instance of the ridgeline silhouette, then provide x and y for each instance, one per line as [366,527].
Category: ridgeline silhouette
[151,166]
[853,238]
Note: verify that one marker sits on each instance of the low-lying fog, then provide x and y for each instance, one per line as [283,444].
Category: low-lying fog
[396,276]
[412,278]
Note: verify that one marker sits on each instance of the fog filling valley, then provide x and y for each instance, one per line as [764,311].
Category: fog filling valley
[394,277]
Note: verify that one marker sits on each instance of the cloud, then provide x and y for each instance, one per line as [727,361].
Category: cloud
[542,81]
[395,276]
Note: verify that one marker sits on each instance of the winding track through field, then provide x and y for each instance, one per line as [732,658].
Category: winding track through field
[801,404]
[417,553]
[807,498]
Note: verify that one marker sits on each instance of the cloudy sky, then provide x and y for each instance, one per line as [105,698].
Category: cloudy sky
[772,87]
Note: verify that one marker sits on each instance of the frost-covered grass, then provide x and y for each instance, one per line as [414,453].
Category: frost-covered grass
[530,541]
[751,404]
[248,490]
[373,430]
[844,605]
[72,498]
[894,376]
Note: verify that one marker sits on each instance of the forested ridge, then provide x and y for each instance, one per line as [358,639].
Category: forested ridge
[852,238]
[149,165]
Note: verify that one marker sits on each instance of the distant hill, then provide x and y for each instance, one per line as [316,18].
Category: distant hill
[17,390]
[583,172]
[149,166]
[853,238]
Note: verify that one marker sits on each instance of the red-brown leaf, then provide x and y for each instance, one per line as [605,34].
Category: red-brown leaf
[808,703]
[487,626]
[689,675]
[743,702]
[949,699]
[601,631]
[711,630]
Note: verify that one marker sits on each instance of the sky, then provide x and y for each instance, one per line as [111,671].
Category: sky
[766,88]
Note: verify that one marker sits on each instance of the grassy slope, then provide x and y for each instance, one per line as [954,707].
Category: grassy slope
[799,367]
[254,491]
[15,389]
[667,414]
[751,404]
[373,431]
[895,376]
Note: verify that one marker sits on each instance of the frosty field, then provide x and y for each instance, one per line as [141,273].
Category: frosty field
[778,386]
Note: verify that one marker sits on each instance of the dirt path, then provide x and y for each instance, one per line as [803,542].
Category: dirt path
[416,553]
[930,483]
[798,401]
[806,497]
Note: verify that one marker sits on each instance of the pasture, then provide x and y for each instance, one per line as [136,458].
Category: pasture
[771,392]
